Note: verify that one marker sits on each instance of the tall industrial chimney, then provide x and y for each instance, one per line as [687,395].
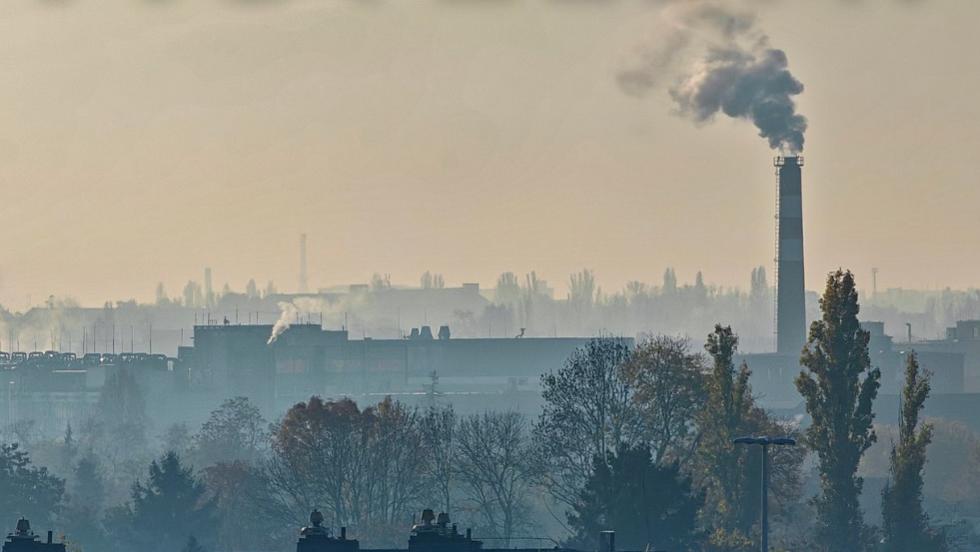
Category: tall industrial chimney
[303,282]
[790,302]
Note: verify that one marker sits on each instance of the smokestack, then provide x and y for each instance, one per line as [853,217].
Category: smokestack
[790,302]
[303,284]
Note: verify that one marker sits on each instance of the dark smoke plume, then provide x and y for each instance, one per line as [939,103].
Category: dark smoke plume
[753,86]
[718,61]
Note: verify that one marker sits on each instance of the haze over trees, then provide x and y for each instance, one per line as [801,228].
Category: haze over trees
[633,436]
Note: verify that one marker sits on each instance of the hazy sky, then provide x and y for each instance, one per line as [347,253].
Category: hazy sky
[143,140]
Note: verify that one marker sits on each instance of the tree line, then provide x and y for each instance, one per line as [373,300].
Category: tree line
[633,437]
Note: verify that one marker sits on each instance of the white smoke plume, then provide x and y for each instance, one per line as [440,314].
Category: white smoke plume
[287,313]
[716,60]
[313,309]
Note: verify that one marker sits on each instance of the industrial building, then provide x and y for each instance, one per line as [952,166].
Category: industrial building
[228,360]
[306,359]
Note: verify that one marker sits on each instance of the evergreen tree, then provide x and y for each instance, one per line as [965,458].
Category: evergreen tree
[838,386]
[650,506]
[906,526]
[69,449]
[87,495]
[164,512]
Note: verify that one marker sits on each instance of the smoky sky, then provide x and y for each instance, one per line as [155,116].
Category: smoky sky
[754,86]
[733,71]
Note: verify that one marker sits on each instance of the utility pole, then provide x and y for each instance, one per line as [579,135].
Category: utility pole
[765,443]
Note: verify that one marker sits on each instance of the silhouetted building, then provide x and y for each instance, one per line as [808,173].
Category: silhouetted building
[435,534]
[305,360]
[317,538]
[24,540]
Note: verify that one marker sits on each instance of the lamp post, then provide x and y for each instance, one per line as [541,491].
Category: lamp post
[765,443]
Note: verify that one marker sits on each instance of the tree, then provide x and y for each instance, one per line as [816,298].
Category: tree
[362,467]
[651,506]
[581,286]
[270,289]
[121,411]
[589,409]
[729,474]
[439,437]
[161,295]
[240,496]
[495,470]
[26,490]
[668,382]
[508,290]
[193,296]
[234,432]
[432,281]
[670,281]
[725,416]
[838,386]
[166,511]
[636,291]
[177,437]
[251,289]
[69,448]
[86,498]
[906,526]
[759,285]
[380,282]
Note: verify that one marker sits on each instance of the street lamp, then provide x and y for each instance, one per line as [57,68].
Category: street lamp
[765,443]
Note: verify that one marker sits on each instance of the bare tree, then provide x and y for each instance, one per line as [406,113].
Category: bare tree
[495,471]
[508,290]
[235,432]
[440,439]
[362,467]
[669,382]
[589,410]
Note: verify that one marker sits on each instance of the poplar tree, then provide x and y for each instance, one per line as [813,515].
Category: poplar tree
[906,526]
[730,474]
[839,386]
[724,417]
